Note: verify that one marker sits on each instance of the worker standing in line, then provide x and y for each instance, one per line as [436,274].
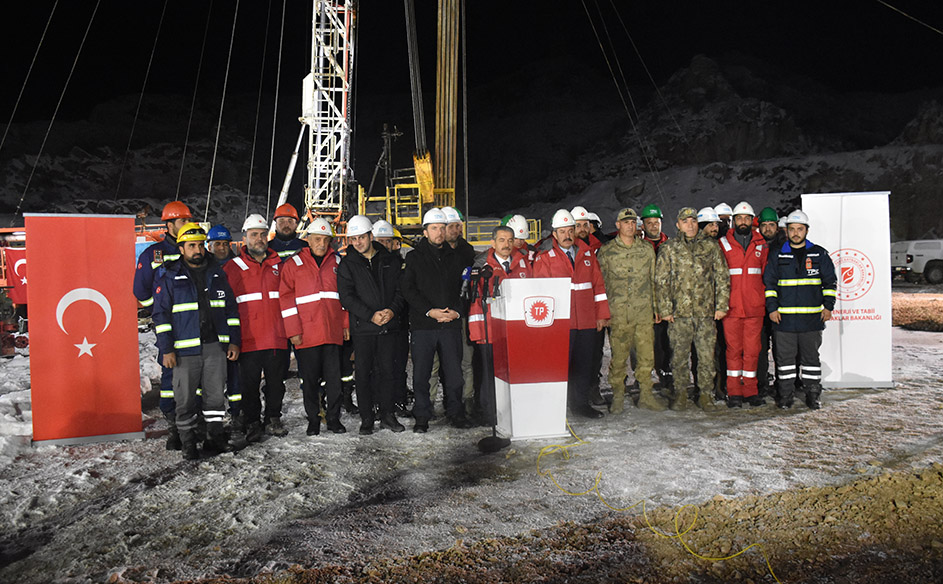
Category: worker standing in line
[724,212]
[589,308]
[745,252]
[198,330]
[628,268]
[521,234]
[391,239]
[286,241]
[219,245]
[801,288]
[254,277]
[769,229]
[692,291]
[368,283]
[709,222]
[315,323]
[587,234]
[653,234]
[174,215]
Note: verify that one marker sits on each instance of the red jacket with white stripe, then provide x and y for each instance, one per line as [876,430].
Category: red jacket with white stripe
[520,268]
[256,288]
[311,305]
[588,302]
[747,291]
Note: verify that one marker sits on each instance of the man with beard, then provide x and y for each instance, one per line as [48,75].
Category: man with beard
[197,325]
[801,288]
[286,241]
[652,233]
[709,222]
[769,229]
[254,277]
[368,283]
[589,307]
[745,251]
[724,212]
[585,231]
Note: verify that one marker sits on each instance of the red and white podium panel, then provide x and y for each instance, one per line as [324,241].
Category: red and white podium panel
[531,352]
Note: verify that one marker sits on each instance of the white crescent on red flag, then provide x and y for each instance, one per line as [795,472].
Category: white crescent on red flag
[16,273]
[84,361]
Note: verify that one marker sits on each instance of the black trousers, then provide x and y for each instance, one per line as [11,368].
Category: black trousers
[663,355]
[580,370]
[448,343]
[251,365]
[762,366]
[807,367]
[598,348]
[374,374]
[486,389]
[314,364]
[400,358]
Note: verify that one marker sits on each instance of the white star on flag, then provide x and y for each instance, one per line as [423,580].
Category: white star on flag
[85,347]
[23,280]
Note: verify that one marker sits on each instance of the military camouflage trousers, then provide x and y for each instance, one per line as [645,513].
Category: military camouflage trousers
[623,339]
[700,332]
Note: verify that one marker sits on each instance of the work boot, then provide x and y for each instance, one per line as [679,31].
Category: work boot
[188,445]
[734,401]
[254,432]
[705,401]
[586,411]
[314,426]
[786,396]
[680,401]
[649,401]
[421,426]
[238,425]
[460,422]
[216,442]
[274,427]
[595,396]
[366,428]
[756,401]
[173,437]
[812,399]
[336,427]
[349,404]
[618,400]
[389,421]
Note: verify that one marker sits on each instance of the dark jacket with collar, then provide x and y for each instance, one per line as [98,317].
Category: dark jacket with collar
[432,279]
[366,286]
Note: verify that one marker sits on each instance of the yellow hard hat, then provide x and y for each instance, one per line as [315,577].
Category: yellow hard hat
[190,232]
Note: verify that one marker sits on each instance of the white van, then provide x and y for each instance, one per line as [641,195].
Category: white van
[913,259]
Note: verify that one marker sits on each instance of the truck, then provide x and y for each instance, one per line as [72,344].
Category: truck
[918,258]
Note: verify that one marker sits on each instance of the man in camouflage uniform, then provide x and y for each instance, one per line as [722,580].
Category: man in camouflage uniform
[628,267]
[692,290]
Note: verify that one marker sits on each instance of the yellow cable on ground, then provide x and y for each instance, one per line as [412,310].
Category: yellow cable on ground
[678,534]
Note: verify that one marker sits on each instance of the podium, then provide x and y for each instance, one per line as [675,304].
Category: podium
[531,343]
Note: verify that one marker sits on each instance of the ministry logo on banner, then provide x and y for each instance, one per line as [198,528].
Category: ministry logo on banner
[855,273]
[538,311]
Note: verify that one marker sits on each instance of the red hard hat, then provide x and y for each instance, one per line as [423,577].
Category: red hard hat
[175,210]
[286,210]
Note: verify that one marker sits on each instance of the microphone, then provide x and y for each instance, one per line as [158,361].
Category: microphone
[486,272]
[466,282]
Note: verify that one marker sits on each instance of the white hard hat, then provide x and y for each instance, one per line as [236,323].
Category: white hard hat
[707,215]
[358,225]
[382,228]
[743,208]
[519,224]
[562,218]
[723,209]
[782,222]
[434,215]
[595,219]
[580,213]
[452,215]
[320,226]
[797,216]
[254,221]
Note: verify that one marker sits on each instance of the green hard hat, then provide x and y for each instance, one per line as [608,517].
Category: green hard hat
[768,214]
[505,219]
[651,211]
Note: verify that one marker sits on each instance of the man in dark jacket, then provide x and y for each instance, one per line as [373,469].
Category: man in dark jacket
[801,288]
[368,283]
[432,283]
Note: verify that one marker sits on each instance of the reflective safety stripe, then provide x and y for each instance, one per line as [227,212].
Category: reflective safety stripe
[599,297]
[163,328]
[167,258]
[217,304]
[187,343]
[329,294]
[185,307]
[287,253]
[787,368]
[810,377]
[476,318]
[248,297]
[772,294]
[273,294]
[167,393]
[289,312]
[733,373]
[347,378]
[800,309]
[296,259]
[809,368]
[736,271]
[800,282]
[581,286]
[750,374]
[790,376]
[308,298]
[223,338]
[756,271]
[199,391]
[828,292]
[235,397]
[233,322]
[725,243]
[147,302]
[241,263]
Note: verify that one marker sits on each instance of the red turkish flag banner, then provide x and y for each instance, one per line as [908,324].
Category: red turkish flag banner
[84,361]
[16,273]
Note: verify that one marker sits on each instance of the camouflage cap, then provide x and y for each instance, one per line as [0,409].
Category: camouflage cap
[687,212]
[627,213]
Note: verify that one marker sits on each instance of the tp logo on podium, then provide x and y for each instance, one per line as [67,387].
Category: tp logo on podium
[538,311]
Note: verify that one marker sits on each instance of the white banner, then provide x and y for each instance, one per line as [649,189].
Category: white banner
[855,229]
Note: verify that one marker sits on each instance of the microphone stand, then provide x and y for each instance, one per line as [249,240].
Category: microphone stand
[491,443]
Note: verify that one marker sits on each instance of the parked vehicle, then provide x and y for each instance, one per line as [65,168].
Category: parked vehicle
[913,259]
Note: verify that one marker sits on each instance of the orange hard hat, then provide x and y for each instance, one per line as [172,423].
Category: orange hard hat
[175,210]
[286,210]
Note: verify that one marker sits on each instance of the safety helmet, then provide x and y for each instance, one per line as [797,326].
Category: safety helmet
[743,208]
[506,218]
[397,234]
[434,215]
[254,221]
[579,213]
[452,215]
[782,222]
[175,210]
[286,210]
[218,233]
[190,232]
[358,225]
[723,209]
[320,226]
[707,215]
[519,224]
[562,218]
[381,228]
[768,214]
[595,220]
[651,211]
[797,216]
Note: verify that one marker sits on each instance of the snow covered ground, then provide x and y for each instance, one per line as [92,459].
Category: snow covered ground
[82,513]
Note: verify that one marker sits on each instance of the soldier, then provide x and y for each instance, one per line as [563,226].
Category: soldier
[652,233]
[800,295]
[692,291]
[628,268]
